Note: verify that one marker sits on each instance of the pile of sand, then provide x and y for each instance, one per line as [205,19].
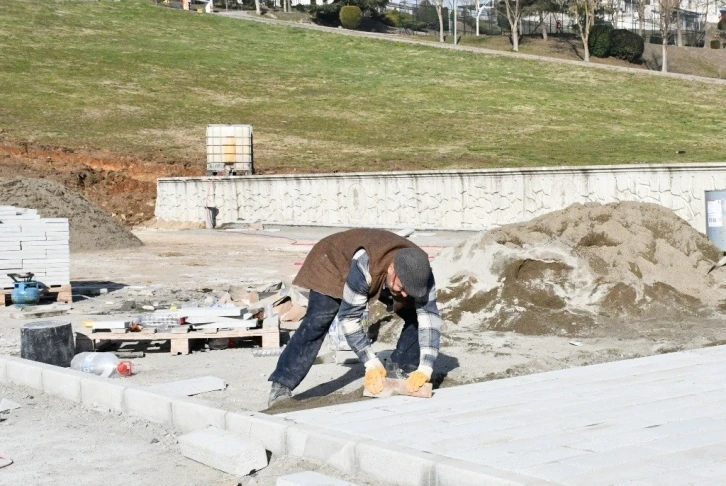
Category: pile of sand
[91,227]
[571,268]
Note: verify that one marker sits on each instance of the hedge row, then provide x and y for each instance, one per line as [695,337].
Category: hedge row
[605,41]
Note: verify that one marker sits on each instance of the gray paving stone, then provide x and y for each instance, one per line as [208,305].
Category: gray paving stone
[554,471]
[328,447]
[310,478]
[619,475]
[616,457]
[224,451]
[190,414]
[616,423]
[390,464]
[692,440]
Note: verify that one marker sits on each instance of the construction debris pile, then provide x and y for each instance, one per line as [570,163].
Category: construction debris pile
[239,313]
[91,228]
[567,270]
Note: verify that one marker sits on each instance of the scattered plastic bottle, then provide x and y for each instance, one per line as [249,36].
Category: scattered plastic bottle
[101,364]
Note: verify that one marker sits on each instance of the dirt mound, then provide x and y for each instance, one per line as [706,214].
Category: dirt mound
[91,227]
[570,269]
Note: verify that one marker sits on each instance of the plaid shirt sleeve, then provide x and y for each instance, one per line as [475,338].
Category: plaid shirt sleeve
[355,301]
[429,329]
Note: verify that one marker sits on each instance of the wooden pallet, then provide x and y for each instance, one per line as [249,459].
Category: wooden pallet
[61,293]
[179,340]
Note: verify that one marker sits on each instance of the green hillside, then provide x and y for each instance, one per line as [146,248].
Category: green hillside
[142,80]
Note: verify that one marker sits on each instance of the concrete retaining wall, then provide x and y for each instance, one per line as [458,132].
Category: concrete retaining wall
[464,199]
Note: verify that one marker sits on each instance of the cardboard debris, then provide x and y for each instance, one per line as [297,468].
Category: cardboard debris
[190,387]
[270,287]
[296,313]
[283,306]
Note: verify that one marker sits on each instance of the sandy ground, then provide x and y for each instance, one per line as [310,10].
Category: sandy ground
[57,442]
[45,436]
[178,266]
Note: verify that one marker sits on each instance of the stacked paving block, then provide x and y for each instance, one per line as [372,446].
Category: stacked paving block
[29,243]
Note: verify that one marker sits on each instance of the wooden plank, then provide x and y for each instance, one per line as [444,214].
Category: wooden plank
[159,336]
[212,321]
[205,312]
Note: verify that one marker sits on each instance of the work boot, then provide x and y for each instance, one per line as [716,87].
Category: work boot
[278,392]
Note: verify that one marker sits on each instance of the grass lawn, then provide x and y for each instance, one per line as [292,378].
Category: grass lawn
[145,81]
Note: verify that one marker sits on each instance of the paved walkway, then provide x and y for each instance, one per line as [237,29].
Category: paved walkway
[659,420]
[245,15]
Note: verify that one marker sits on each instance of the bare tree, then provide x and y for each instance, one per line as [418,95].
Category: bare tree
[257,7]
[439,4]
[514,10]
[584,12]
[666,10]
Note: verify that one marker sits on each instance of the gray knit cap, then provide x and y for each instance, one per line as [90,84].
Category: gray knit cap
[413,269]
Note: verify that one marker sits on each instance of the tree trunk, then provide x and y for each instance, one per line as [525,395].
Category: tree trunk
[515,36]
[441,22]
[257,7]
[664,65]
[587,51]
[679,29]
[542,25]
[478,12]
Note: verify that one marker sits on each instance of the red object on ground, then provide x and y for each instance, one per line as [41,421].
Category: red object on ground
[125,368]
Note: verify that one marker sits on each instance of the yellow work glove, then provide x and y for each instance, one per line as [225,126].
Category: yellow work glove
[416,380]
[375,374]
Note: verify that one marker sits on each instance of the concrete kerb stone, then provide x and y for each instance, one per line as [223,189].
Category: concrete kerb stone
[148,405]
[388,463]
[63,383]
[336,449]
[190,414]
[398,465]
[270,430]
[25,372]
[455,472]
[3,372]
[102,394]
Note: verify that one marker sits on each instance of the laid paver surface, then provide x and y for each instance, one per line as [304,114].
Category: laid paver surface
[656,420]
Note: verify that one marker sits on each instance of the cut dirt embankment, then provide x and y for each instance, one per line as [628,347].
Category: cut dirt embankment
[91,228]
[586,270]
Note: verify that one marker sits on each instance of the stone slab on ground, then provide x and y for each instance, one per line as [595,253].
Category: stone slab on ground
[190,387]
[224,451]
[310,478]
[635,420]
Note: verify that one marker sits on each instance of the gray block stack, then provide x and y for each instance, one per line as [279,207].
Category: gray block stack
[29,243]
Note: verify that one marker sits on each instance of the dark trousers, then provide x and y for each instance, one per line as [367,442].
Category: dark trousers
[302,349]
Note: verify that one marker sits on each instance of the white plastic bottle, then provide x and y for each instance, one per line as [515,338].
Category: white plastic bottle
[101,364]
